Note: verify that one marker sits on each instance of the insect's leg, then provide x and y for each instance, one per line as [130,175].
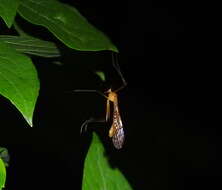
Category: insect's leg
[91,120]
[117,67]
[85,125]
[107,110]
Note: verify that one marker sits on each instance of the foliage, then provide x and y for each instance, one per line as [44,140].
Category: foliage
[4,158]
[19,82]
[8,10]
[66,23]
[30,45]
[101,75]
[97,172]
[2,174]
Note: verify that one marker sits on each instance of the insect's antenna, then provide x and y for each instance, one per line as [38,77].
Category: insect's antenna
[117,67]
[94,91]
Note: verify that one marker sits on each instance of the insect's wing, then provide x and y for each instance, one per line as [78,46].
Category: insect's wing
[118,138]
[117,131]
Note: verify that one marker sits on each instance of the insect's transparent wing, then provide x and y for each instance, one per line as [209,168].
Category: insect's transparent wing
[117,128]
[118,138]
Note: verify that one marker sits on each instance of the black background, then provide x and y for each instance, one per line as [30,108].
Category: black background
[169,107]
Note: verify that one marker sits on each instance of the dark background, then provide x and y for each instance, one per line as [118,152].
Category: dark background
[169,107]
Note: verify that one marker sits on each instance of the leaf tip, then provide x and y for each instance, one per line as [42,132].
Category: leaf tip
[101,75]
[114,49]
[29,121]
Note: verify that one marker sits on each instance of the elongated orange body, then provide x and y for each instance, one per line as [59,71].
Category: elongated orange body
[116,131]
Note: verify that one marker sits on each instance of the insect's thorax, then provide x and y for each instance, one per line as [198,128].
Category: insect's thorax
[112,96]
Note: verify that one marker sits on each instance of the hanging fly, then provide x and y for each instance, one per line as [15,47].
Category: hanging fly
[116,131]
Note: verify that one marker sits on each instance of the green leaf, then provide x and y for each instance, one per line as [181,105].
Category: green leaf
[101,75]
[4,156]
[98,175]
[66,23]
[8,10]
[18,80]
[31,45]
[2,174]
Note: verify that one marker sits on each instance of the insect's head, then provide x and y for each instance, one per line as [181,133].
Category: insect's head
[112,96]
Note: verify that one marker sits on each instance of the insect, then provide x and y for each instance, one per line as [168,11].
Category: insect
[116,131]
